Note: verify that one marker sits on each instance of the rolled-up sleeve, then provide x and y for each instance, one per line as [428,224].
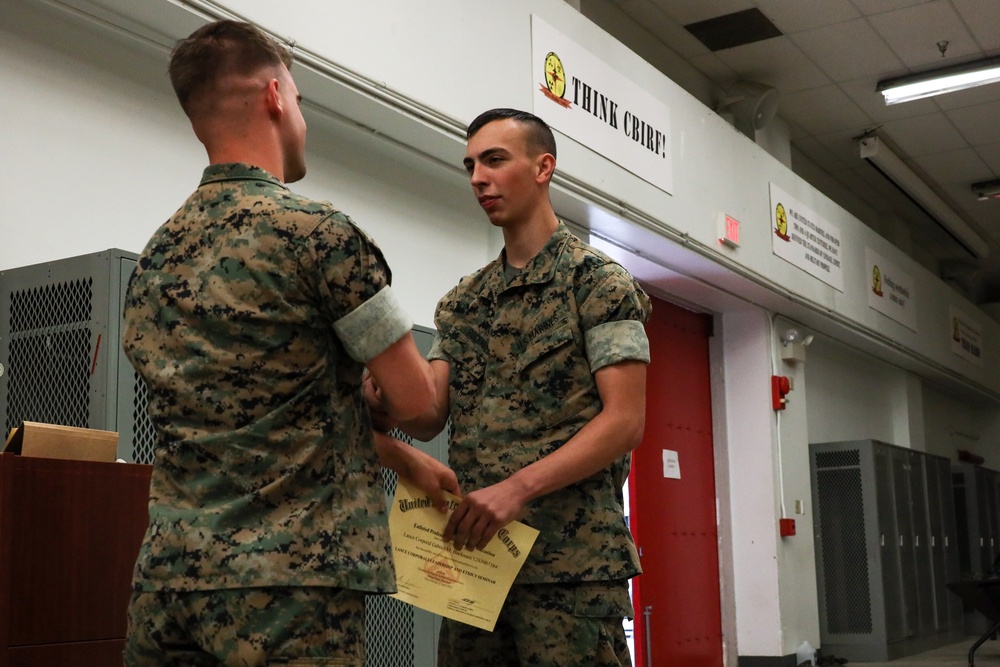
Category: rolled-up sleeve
[613,310]
[373,326]
[613,342]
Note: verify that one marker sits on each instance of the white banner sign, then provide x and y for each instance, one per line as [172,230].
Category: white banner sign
[966,336]
[804,239]
[890,290]
[579,95]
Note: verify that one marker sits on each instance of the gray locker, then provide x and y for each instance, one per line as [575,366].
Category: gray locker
[978,517]
[885,549]
[977,504]
[60,348]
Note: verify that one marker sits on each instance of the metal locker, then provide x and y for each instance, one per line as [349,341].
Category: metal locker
[60,325]
[877,550]
[978,528]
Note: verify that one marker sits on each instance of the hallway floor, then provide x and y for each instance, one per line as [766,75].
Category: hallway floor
[956,655]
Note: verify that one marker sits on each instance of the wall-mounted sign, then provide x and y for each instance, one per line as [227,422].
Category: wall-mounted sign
[966,336]
[801,237]
[671,464]
[730,232]
[890,290]
[578,94]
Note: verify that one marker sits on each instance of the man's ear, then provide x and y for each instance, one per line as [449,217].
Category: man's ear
[545,165]
[272,98]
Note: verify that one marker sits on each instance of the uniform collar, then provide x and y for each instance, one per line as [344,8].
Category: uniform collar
[538,270]
[238,171]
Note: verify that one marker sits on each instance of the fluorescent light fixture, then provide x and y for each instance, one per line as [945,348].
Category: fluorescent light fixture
[937,82]
[892,167]
[986,190]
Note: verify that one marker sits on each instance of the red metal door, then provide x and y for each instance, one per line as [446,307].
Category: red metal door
[674,520]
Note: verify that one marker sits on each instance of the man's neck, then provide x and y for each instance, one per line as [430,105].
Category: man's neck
[523,241]
[262,159]
[253,141]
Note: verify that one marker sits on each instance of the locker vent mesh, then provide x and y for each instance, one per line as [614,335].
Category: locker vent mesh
[388,621]
[847,457]
[50,355]
[845,563]
[143,435]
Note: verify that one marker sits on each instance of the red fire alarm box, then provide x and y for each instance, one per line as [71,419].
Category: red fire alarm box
[780,386]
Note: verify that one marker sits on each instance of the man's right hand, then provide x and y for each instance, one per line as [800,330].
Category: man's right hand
[426,472]
[381,419]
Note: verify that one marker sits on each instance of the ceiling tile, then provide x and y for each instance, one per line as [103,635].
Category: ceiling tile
[962,167]
[867,55]
[872,7]
[970,97]
[975,212]
[977,124]
[652,19]
[816,151]
[795,131]
[985,214]
[691,11]
[792,17]
[990,153]
[823,110]
[982,18]
[843,145]
[712,66]
[907,30]
[777,62]
[924,135]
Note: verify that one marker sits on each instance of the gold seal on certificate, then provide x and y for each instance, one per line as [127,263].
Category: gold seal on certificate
[466,586]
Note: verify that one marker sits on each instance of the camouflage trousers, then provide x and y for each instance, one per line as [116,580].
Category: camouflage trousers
[546,625]
[250,627]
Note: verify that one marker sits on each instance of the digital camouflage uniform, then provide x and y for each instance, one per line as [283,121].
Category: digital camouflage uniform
[523,356]
[250,316]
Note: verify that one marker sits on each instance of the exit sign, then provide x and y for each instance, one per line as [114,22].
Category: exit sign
[730,232]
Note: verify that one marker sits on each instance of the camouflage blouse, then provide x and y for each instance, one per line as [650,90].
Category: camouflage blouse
[249,316]
[523,357]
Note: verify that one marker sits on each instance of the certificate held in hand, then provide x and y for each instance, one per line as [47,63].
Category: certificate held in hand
[466,586]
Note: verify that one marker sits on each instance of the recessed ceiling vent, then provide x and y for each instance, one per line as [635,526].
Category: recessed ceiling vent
[736,29]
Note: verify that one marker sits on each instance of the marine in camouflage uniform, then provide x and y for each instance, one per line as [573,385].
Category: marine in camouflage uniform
[523,353]
[250,316]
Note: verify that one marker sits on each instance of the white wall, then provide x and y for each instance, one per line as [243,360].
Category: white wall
[795,553]
[97,154]
[953,423]
[851,395]
[752,467]
[854,396]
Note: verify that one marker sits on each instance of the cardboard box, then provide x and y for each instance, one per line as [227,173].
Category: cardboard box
[50,441]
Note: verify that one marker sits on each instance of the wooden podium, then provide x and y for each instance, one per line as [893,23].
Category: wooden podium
[69,535]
